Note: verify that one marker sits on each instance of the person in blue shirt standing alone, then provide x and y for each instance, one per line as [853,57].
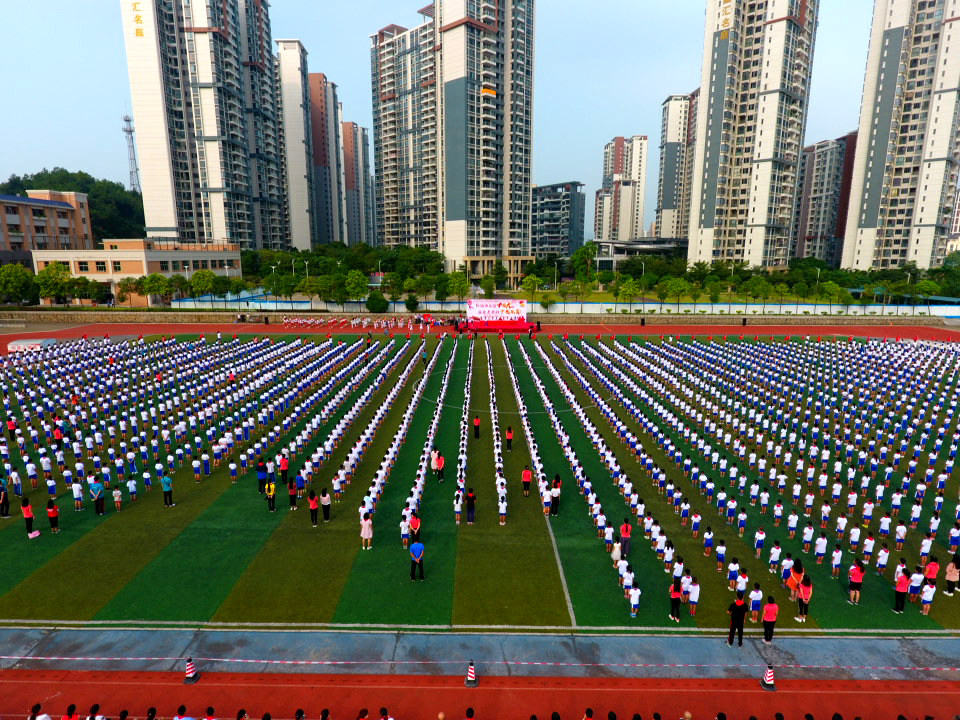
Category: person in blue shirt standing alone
[166,482]
[416,560]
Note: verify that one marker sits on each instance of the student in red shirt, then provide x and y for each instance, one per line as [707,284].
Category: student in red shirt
[509,439]
[53,516]
[27,511]
[900,595]
[857,571]
[770,611]
[526,477]
[440,463]
[676,595]
[625,531]
[414,527]
[476,426]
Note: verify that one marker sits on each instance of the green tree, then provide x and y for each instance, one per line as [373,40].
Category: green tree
[489,285]
[564,290]
[311,287]
[629,289]
[582,261]
[17,284]
[927,289]
[221,287]
[158,285]
[356,285]
[392,285]
[424,286]
[581,288]
[238,286]
[202,283]
[179,285]
[441,288]
[605,277]
[663,290]
[459,285]
[546,301]
[412,303]
[128,287]
[531,284]
[781,290]
[376,302]
[500,275]
[696,292]
[802,291]
[714,290]
[52,280]
[79,288]
[845,298]
[678,288]
[829,291]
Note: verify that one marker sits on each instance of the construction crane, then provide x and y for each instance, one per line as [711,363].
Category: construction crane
[132,153]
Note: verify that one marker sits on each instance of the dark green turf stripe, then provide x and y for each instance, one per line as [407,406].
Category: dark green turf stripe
[264,594]
[591,579]
[218,545]
[504,574]
[378,588]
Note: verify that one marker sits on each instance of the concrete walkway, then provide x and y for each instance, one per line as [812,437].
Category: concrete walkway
[393,653]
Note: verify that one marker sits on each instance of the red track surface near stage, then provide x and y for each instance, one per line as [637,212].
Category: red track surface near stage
[906,332]
[422,697]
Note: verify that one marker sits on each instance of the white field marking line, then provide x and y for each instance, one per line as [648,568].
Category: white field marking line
[563,578]
[626,630]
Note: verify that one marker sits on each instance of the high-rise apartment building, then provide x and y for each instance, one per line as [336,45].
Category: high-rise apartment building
[358,184]
[678,134]
[452,128]
[752,113]
[618,213]
[557,219]
[296,142]
[826,171]
[204,100]
[905,175]
[326,118]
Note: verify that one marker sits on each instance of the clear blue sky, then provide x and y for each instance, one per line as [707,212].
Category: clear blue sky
[603,69]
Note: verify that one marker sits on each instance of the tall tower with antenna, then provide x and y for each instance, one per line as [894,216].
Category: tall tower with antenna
[132,153]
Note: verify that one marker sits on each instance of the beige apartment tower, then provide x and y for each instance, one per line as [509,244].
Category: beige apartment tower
[619,204]
[751,118]
[452,130]
[902,199]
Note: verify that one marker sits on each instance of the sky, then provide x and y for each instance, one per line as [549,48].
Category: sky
[603,68]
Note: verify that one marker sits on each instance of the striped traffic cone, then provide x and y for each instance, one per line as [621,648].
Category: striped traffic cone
[767,681]
[192,675]
[471,680]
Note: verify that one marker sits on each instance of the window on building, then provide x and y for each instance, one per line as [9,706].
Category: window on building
[164,266]
[116,266]
[83,266]
[11,210]
[101,266]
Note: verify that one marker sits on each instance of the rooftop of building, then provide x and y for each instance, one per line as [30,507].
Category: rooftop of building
[34,201]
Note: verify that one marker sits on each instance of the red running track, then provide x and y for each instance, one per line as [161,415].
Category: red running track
[907,332]
[422,697]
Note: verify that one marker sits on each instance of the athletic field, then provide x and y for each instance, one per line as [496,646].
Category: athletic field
[220,557]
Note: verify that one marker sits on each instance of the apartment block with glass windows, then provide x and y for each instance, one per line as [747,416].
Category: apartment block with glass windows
[619,203]
[751,119]
[905,178]
[452,127]
[678,133]
[557,219]
[826,171]
[296,142]
[203,93]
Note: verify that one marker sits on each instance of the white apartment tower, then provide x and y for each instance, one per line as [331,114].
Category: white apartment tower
[618,213]
[905,175]
[204,101]
[677,138]
[452,129]
[293,96]
[755,82]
